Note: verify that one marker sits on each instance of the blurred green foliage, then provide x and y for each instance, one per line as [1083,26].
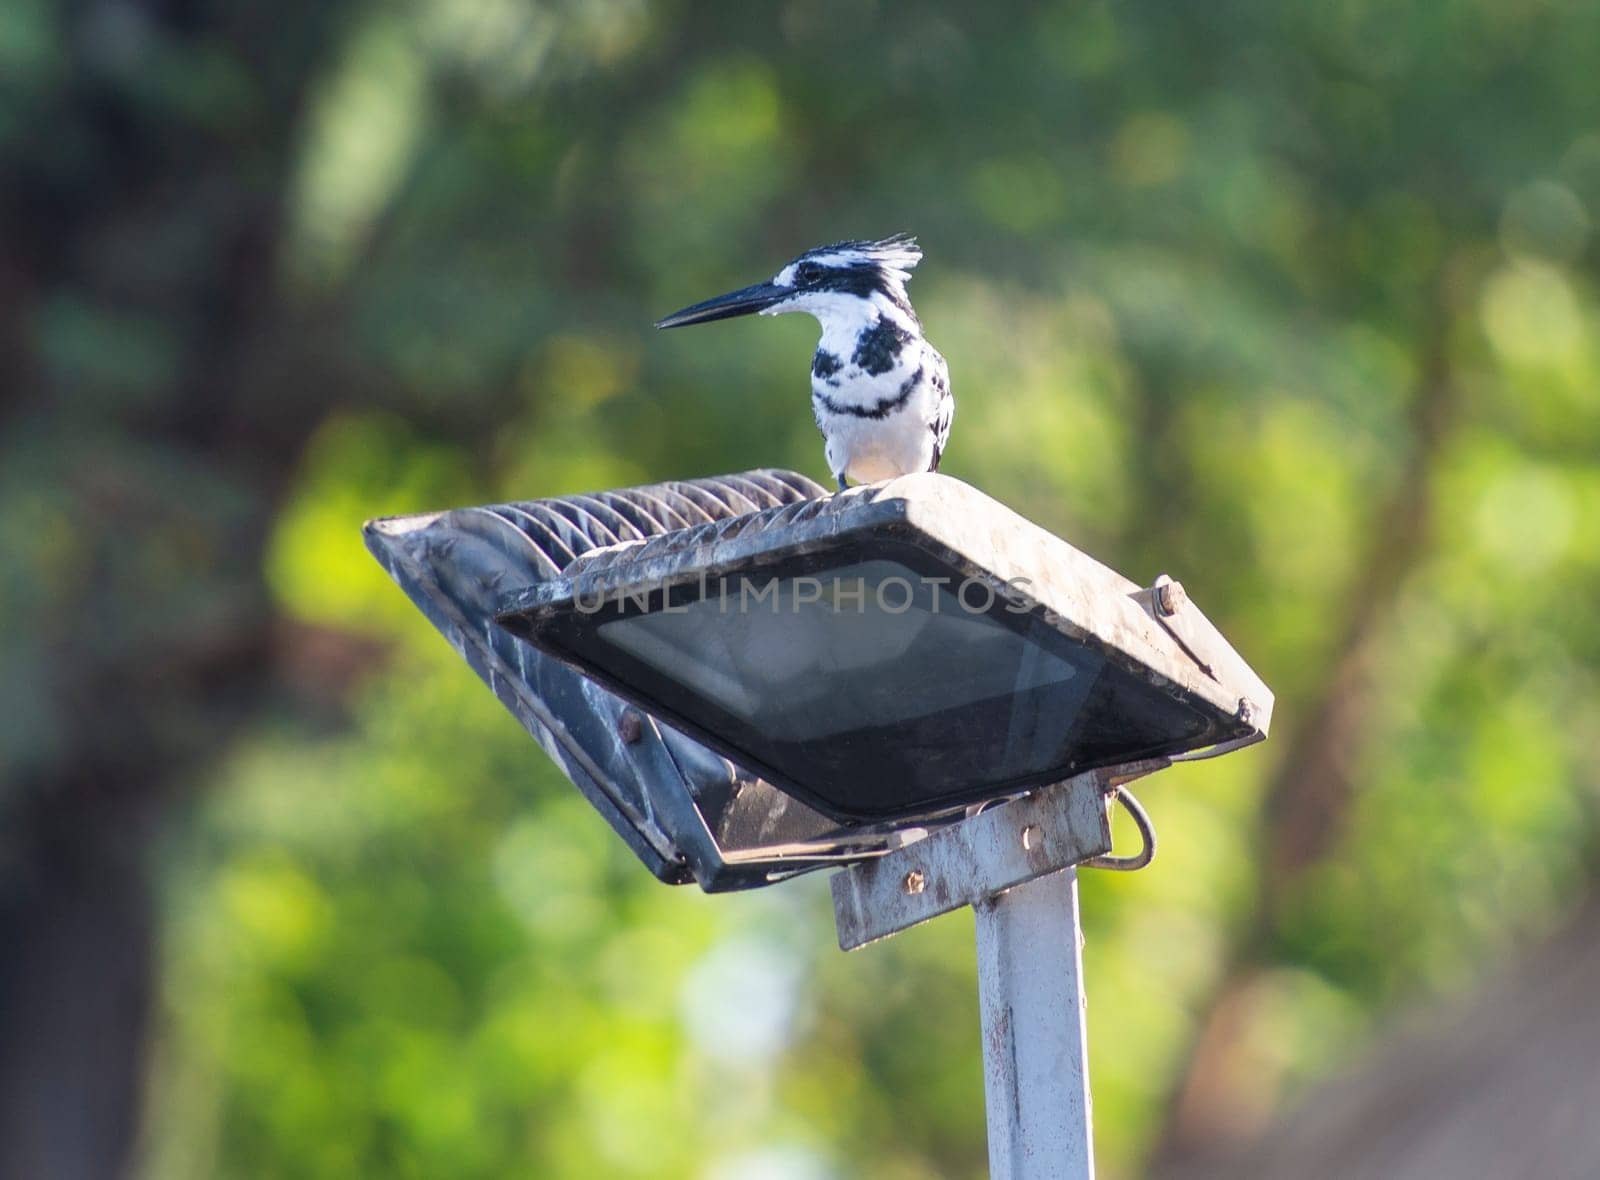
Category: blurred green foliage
[1229,290]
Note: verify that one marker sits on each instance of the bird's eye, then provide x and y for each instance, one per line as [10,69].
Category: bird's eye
[807,272]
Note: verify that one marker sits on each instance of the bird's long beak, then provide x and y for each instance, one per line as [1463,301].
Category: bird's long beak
[741,302]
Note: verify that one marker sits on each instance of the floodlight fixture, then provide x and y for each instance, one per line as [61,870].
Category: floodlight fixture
[895,650]
[750,677]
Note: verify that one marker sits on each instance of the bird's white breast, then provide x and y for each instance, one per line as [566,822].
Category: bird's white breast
[878,425]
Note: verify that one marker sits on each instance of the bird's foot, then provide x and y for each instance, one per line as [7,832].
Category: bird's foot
[840,477]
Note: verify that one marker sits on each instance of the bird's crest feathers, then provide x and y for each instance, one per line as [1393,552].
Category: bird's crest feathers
[895,257]
[898,252]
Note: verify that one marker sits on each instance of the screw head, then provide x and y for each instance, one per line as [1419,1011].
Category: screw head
[914,883]
[1032,838]
[630,727]
[1169,596]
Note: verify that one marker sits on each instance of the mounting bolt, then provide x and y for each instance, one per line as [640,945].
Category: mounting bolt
[630,727]
[1032,838]
[914,883]
[1169,596]
[1247,711]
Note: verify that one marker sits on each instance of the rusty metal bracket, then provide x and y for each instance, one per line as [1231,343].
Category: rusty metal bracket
[967,862]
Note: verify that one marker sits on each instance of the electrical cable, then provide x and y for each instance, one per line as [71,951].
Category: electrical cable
[1147,833]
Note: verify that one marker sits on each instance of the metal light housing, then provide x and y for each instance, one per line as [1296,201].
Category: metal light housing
[750,677]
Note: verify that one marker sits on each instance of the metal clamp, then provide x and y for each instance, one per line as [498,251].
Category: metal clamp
[967,862]
[994,850]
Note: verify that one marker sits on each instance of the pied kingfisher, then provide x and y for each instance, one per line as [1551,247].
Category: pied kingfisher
[880,393]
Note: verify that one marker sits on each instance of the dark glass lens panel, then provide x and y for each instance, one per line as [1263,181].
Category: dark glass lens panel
[878,687]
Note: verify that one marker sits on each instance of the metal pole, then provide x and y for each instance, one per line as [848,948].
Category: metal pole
[1035,1052]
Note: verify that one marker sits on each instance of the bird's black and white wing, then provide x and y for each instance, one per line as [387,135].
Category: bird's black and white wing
[943,412]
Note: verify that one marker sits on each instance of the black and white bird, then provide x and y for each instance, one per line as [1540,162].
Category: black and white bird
[879,391]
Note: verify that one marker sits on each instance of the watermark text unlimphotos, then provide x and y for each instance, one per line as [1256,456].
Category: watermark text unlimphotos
[893,595]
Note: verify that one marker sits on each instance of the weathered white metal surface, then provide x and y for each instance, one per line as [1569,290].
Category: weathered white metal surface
[1035,1052]
[963,864]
